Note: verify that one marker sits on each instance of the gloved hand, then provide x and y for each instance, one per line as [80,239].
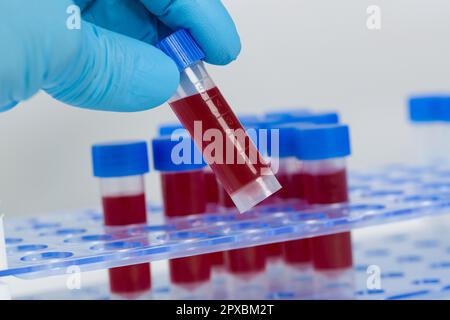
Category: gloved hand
[109,62]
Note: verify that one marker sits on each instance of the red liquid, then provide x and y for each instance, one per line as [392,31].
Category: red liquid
[297,251]
[212,197]
[225,200]
[190,270]
[274,250]
[217,259]
[130,279]
[246,261]
[281,195]
[285,192]
[331,251]
[212,188]
[297,186]
[235,162]
[184,194]
[122,211]
[326,188]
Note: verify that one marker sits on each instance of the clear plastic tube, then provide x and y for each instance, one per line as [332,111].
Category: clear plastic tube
[234,159]
[284,169]
[246,276]
[184,194]
[429,142]
[326,183]
[123,200]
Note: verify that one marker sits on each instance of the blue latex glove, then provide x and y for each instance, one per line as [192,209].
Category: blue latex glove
[109,63]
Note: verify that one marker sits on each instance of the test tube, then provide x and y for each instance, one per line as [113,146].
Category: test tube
[288,167]
[213,193]
[121,168]
[285,165]
[246,273]
[323,150]
[183,190]
[427,115]
[204,112]
[216,196]
[245,268]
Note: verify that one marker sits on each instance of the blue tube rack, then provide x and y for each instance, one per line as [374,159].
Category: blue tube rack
[48,245]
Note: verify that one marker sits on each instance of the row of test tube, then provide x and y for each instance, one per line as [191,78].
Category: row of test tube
[311,169]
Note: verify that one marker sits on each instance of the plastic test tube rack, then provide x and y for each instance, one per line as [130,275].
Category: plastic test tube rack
[47,245]
[411,258]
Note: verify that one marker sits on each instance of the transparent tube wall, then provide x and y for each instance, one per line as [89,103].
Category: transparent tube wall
[238,166]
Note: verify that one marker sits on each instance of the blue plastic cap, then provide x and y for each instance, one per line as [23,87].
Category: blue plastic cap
[322,118]
[256,122]
[248,119]
[318,142]
[179,154]
[445,109]
[314,118]
[120,159]
[425,108]
[182,48]
[169,128]
[288,112]
[287,137]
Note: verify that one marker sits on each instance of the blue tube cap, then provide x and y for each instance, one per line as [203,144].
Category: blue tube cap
[182,48]
[425,108]
[120,159]
[319,142]
[175,154]
[314,118]
[287,137]
[168,128]
[445,109]
[248,119]
[288,112]
[322,118]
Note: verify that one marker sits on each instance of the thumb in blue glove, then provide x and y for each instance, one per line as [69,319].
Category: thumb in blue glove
[108,63]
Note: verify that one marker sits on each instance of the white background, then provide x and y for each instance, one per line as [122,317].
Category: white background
[313,53]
